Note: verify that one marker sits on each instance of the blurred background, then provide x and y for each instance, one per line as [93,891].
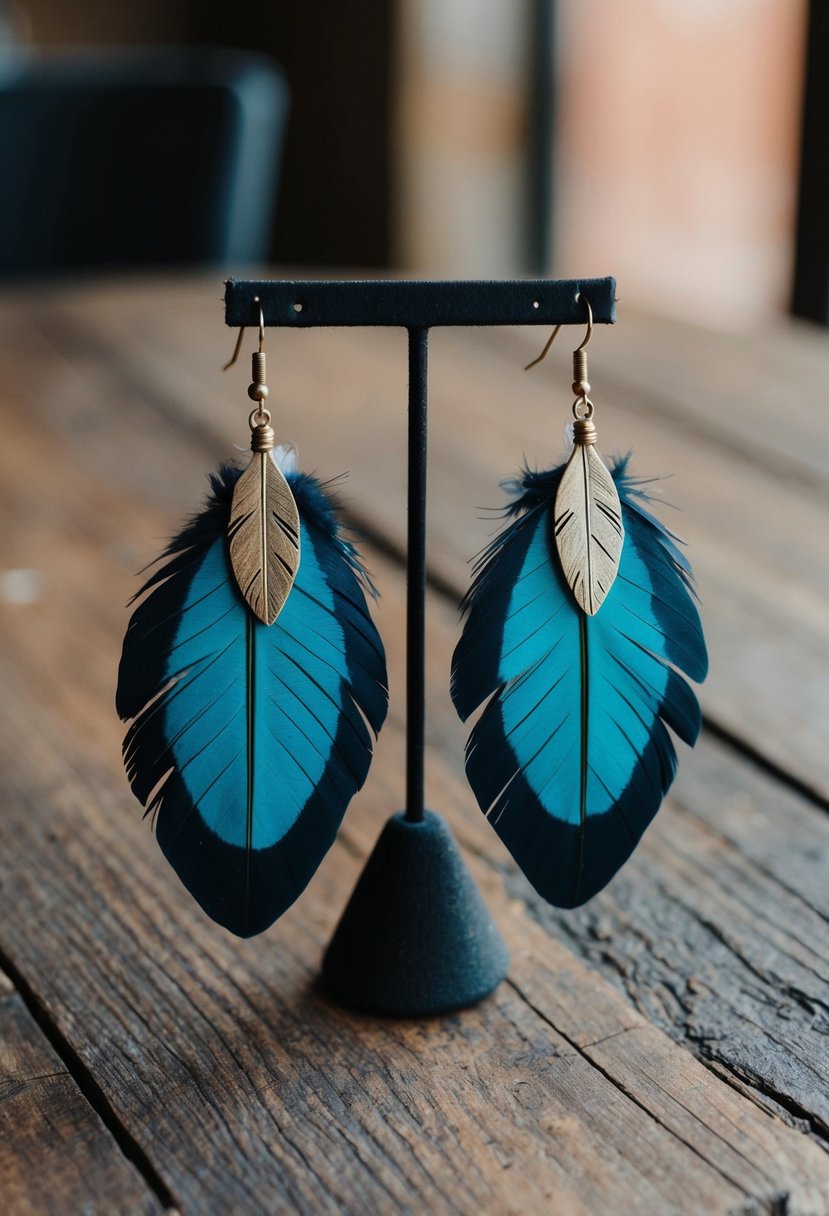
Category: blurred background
[678,144]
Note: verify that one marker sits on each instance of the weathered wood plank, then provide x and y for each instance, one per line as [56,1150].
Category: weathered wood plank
[717,928]
[244,1083]
[748,520]
[56,1156]
[717,954]
[241,1080]
[238,1020]
[246,1089]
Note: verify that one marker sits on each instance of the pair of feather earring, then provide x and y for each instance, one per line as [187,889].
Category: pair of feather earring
[254,676]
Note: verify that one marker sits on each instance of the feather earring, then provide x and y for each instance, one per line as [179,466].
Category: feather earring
[253,676]
[578,626]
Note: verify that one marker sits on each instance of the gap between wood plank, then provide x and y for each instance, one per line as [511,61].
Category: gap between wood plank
[744,1085]
[584,1052]
[725,1070]
[775,771]
[88,1086]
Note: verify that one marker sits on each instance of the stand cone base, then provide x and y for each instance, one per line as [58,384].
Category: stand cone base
[416,938]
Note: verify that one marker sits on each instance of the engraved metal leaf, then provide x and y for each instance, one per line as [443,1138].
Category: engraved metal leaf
[587,524]
[263,536]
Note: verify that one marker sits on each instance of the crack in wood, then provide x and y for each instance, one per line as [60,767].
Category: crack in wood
[749,752]
[623,1089]
[646,974]
[88,1085]
[799,1115]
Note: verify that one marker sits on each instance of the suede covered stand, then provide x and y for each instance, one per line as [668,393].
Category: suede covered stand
[416,938]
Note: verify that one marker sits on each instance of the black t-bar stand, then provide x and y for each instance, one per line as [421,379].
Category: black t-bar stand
[416,938]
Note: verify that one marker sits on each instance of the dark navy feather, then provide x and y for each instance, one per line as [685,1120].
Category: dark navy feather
[248,741]
[571,757]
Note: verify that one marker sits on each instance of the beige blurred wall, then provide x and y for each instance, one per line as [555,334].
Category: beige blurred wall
[460,136]
[678,135]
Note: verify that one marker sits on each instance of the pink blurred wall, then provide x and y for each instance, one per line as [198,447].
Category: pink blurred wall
[677,151]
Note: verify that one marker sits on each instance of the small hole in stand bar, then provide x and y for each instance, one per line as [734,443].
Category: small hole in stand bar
[536,303]
[297,307]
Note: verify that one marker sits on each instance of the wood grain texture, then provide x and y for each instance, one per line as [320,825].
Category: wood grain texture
[240,1081]
[633,1063]
[55,1153]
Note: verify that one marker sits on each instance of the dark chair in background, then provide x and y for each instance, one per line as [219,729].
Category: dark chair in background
[120,158]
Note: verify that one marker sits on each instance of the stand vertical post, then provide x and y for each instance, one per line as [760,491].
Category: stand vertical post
[416,578]
[416,938]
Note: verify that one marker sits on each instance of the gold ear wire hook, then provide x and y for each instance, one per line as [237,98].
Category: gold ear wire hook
[238,345]
[546,349]
[257,389]
[236,350]
[554,334]
[589,333]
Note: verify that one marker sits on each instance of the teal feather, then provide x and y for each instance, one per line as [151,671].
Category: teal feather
[571,758]
[248,741]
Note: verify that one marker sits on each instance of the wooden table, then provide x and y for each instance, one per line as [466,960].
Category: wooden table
[662,1050]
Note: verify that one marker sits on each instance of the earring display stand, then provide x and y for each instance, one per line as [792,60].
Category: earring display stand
[416,938]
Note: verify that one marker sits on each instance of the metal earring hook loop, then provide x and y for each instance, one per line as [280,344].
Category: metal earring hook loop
[589,333]
[238,345]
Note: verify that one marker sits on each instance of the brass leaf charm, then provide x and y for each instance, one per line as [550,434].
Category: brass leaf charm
[263,536]
[587,524]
